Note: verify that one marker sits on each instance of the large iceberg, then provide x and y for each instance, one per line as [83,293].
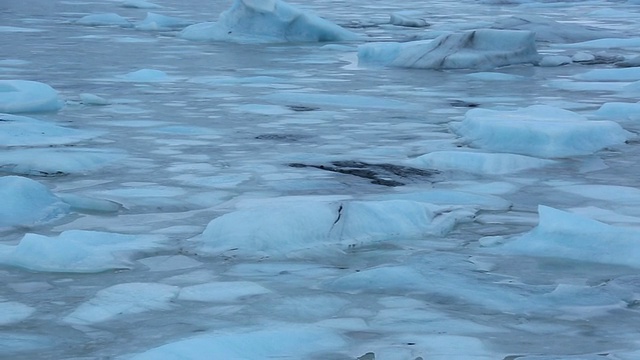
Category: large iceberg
[282,229]
[478,49]
[539,130]
[18,96]
[267,21]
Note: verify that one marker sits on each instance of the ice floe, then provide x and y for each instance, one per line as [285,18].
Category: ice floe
[156,22]
[283,229]
[140,4]
[549,30]
[539,130]
[20,96]
[267,21]
[478,49]
[77,251]
[105,19]
[26,131]
[26,202]
[227,291]
[619,111]
[12,312]
[123,300]
[55,162]
[477,162]
[560,234]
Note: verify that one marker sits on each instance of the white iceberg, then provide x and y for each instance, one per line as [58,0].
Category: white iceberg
[122,300]
[565,235]
[18,96]
[282,229]
[540,131]
[26,202]
[477,162]
[76,251]
[481,49]
[267,21]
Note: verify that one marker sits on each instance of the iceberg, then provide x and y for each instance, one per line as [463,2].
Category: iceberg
[267,21]
[77,251]
[540,131]
[19,96]
[282,229]
[565,235]
[478,49]
[26,202]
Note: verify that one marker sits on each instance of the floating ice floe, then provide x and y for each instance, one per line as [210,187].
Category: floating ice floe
[155,22]
[55,162]
[224,291]
[452,198]
[561,234]
[147,75]
[477,162]
[291,341]
[549,30]
[13,312]
[539,130]
[481,49]
[76,251]
[282,229]
[606,43]
[622,74]
[123,300]
[266,21]
[26,202]
[25,131]
[405,19]
[555,60]
[140,4]
[18,96]
[107,19]
[619,111]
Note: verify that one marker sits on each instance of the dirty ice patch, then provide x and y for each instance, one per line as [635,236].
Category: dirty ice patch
[19,96]
[341,101]
[268,21]
[120,301]
[560,234]
[26,202]
[25,131]
[479,49]
[283,229]
[12,312]
[286,341]
[76,251]
[157,22]
[477,162]
[225,291]
[106,19]
[55,162]
[540,131]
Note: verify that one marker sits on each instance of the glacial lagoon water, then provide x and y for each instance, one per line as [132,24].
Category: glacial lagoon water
[222,200]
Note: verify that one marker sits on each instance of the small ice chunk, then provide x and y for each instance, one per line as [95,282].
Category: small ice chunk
[140,4]
[76,251]
[146,75]
[619,111]
[92,99]
[476,162]
[229,291]
[17,96]
[122,300]
[169,263]
[402,19]
[540,131]
[107,19]
[583,57]
[26,202]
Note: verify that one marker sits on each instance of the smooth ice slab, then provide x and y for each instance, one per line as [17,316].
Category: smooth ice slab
[106,19]
[19,96]
[279,341]
[18,130]
[478,49]
[121,300]
[619,111]
[12,312]
[549,30]
[267,21]
[539,130]
[55,162]
[477,162]
[226,291]
[561,234]
[26,202]
[282,229]
[76,251]
[155,22]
